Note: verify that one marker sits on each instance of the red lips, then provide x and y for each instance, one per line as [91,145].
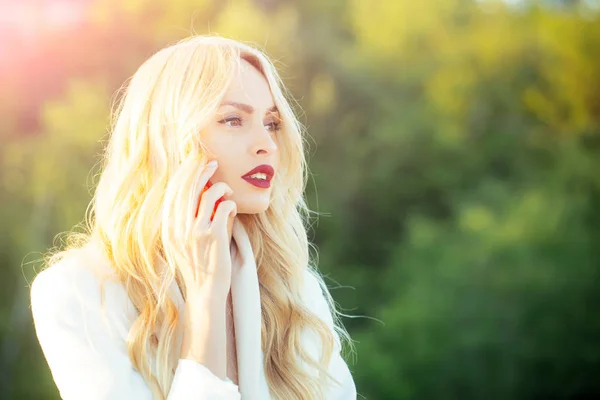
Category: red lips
[264,168]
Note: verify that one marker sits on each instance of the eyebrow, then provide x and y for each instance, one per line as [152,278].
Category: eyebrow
[246,107]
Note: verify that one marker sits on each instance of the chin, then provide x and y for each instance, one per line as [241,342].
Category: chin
[253,208]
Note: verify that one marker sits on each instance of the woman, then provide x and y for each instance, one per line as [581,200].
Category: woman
[168,298]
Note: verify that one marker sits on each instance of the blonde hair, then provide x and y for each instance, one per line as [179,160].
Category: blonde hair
[158,119]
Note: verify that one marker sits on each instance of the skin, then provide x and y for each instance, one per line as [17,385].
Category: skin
[242,135]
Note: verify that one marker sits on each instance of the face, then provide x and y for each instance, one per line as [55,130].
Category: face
[243,135]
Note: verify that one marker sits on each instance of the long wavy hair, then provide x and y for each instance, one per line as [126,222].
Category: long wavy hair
[156,125]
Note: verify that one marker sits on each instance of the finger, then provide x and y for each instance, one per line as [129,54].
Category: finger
[198,185]
[209,199]
[227,209]
[177,224]
[177,194]
[209,169]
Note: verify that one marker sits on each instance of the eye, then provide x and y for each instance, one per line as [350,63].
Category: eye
[274,127]
[231,121]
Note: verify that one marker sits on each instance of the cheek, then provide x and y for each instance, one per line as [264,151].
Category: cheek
[216,140]
[215,148]
[229,170]
[224,147]
[224,154]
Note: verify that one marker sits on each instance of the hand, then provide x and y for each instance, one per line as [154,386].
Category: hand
[203,255]
[199,249]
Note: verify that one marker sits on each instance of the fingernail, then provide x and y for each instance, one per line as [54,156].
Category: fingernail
[213,163]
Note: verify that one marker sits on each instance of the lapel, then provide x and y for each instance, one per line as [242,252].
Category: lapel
[245,298]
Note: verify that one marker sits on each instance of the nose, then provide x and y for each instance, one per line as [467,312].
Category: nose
[264,142]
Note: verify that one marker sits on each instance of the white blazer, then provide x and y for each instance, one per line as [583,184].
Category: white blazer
[83,336]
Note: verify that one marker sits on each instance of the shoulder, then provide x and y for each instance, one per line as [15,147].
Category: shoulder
[81,284]
[80,271]
[316,295]
[310,286]
[319,301]
[74,267]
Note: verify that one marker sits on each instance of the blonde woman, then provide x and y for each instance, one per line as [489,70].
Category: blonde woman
[164,298]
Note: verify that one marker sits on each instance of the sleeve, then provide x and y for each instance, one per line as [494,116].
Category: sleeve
[337,367]
[87,361]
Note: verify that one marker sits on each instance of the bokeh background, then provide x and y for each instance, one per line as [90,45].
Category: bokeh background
[455,151]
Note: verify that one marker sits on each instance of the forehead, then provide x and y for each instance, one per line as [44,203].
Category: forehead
[249,86]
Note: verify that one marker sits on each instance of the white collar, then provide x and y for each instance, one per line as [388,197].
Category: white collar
[245,297]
